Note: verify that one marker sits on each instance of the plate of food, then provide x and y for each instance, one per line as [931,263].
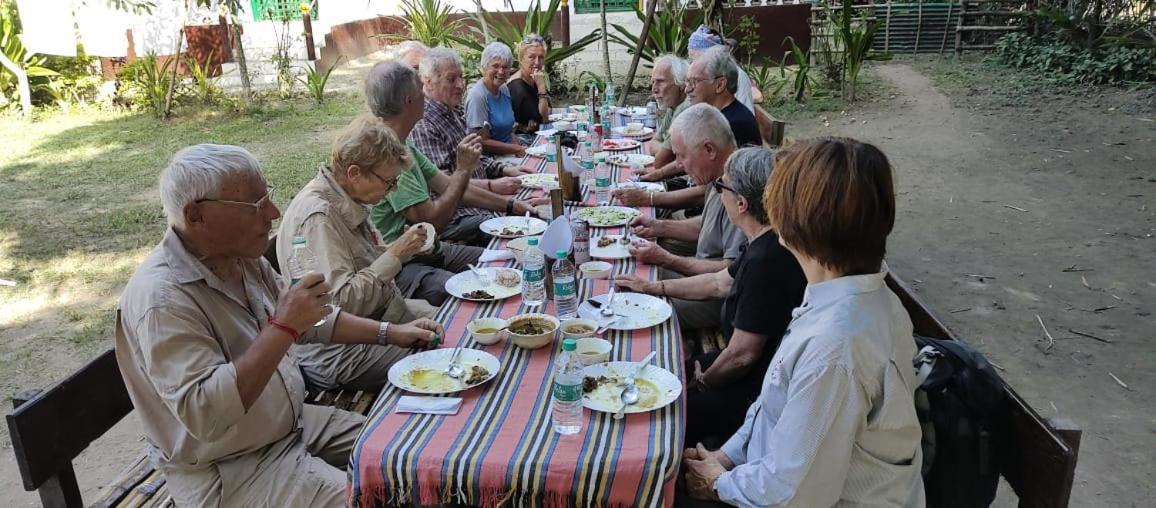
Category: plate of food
[602,385]
[539,181]
[540,150]
[559,117]
[513,227]
[610,247]
[424,372]
[633,131]
[629,159]
[500,283]
[632,311]
[634,111]
[615,145]
[608,216]
[646,186]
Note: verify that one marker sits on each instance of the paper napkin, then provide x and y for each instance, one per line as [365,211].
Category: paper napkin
[428,405]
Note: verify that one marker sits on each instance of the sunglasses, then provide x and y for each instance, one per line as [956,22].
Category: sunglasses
[719,186]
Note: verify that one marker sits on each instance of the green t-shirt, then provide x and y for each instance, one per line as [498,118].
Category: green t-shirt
[412,188]
[662,133]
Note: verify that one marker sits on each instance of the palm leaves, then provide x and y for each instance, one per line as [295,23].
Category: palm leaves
[427,21]
[538,21]
[856,40]
[668,32]
[315,82]
[30,63]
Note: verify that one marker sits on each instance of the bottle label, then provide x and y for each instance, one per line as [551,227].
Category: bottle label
[567,393]
[563,289]
[534,275]
[602,181]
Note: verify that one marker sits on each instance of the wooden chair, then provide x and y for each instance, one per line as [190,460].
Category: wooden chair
[773,131]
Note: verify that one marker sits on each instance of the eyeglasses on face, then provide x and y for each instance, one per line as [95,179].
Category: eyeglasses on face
[693,82]
[255,206]
[719,186]
[390,183]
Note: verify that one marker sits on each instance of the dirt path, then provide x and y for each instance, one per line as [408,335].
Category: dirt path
[1085,179]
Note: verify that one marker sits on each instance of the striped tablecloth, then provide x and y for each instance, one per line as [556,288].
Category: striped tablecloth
[500,449]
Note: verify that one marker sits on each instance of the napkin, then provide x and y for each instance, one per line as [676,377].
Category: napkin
[547,132]
[558,236]
[489,255]
[570,166]
[510,159]
[428,405]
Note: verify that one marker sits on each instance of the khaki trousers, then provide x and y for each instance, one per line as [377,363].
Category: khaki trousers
[304,469]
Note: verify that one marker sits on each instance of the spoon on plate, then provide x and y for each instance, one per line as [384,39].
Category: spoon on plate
[454,370]
[629,395]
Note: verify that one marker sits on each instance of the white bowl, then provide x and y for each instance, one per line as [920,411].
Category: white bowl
[533,341]
[576,322]
[564,126]
[482,323]
[595,269]
[633,128]
[592,350]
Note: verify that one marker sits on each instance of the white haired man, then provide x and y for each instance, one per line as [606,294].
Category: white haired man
[331,213]
[713,79]
[394,94]
[702,143]
[410,53]
[437,134]
[203,330]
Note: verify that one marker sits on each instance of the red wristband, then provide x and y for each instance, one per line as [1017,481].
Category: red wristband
[285,328]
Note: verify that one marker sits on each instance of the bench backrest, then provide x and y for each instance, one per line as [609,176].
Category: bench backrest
[52,428]
[1040,462]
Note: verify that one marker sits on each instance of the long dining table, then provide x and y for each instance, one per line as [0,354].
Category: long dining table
[500,448]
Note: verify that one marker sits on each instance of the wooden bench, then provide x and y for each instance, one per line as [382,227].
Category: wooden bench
[51,428]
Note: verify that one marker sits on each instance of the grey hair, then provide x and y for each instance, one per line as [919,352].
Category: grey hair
[199,172]
[387,86]
[678,67]
[404,48]
[718,62]
[701,123]
[748,170]
[495,50]
[435,59]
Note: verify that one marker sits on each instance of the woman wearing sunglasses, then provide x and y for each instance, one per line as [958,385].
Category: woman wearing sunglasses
[529,92]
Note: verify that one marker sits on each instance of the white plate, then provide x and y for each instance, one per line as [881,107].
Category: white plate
[436,361]
[627,159]
[637,311]
[616,250]
[540,150]
[539,181]
[516,227]
[633,111]
[615,145]
[621,131]
[465,282]
[646,186]
[578,108]
[608,216]
[657,387]
[558,117]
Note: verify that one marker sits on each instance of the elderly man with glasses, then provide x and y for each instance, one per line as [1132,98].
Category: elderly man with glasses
[203,331]
[331,214]
[713,79]
[759,289]
[437,134]
[395,97]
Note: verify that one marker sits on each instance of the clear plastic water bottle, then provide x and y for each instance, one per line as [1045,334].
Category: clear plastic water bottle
[601,181]
[605,111]
[586,160]
[533,275]
[567,392]
[301,262]
[565,287]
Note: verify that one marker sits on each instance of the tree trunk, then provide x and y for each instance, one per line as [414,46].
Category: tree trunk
[605,41]
[242,65]
[22,85]
[642,40]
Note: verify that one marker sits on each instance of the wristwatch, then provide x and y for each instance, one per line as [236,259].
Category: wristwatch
[382,333]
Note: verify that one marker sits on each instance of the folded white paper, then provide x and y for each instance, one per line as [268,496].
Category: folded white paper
[428,405]
[547,132]
[557,237]
[489,255]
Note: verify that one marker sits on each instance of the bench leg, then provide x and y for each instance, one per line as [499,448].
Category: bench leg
[61,491]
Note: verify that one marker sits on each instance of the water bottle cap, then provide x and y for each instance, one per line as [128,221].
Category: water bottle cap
[532,241]
[569,344]
[560,253]
[298,240]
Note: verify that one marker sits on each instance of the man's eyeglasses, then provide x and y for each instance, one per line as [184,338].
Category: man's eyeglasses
[256,206]
[719,186]
[693,82]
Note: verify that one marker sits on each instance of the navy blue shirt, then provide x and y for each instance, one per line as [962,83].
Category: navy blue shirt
[743,124]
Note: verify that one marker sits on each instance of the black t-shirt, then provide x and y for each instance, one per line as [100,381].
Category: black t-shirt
[524,100]
[743,123]
[768,285]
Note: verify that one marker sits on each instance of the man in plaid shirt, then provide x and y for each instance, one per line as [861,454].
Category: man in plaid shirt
[437,136]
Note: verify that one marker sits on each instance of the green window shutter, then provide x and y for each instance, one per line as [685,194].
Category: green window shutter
[592,6]
[264,10]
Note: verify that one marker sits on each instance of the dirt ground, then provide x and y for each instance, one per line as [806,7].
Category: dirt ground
[1039,205]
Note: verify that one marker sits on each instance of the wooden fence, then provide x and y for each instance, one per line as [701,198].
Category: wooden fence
[933,27]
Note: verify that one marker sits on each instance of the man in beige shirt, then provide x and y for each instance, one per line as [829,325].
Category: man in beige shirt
[202,335]
[330,213]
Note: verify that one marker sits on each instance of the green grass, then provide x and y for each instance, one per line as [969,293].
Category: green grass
[79,210]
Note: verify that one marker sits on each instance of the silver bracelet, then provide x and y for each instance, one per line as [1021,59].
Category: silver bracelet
[382,332]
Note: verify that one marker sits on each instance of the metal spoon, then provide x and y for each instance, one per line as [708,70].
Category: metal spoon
[629,394]
[483,277]
[454,370]
[606,310]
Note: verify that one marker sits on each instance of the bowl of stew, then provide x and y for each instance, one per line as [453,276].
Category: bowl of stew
[532,331]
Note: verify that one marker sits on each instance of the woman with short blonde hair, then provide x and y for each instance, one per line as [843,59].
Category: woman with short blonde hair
[529,92]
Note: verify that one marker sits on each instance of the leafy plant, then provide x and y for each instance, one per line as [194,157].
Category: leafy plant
[801,81]
[1056,57]
[855,38]
[668,32]
[1094,23]
[427,21]
[148,80]
[315,82]
[747,34]
[32,64]
[765,80]
[204,86]
[281,58]
[538,20]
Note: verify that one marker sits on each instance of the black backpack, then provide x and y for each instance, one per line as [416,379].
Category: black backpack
[959,401]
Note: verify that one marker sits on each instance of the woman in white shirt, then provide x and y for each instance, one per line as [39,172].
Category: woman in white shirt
[835,423]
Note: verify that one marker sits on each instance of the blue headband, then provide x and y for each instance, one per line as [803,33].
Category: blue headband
[701,40]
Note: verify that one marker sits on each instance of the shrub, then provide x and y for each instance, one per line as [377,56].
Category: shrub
[1074,64]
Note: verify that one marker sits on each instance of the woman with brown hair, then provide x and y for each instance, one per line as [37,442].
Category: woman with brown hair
[835,419]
